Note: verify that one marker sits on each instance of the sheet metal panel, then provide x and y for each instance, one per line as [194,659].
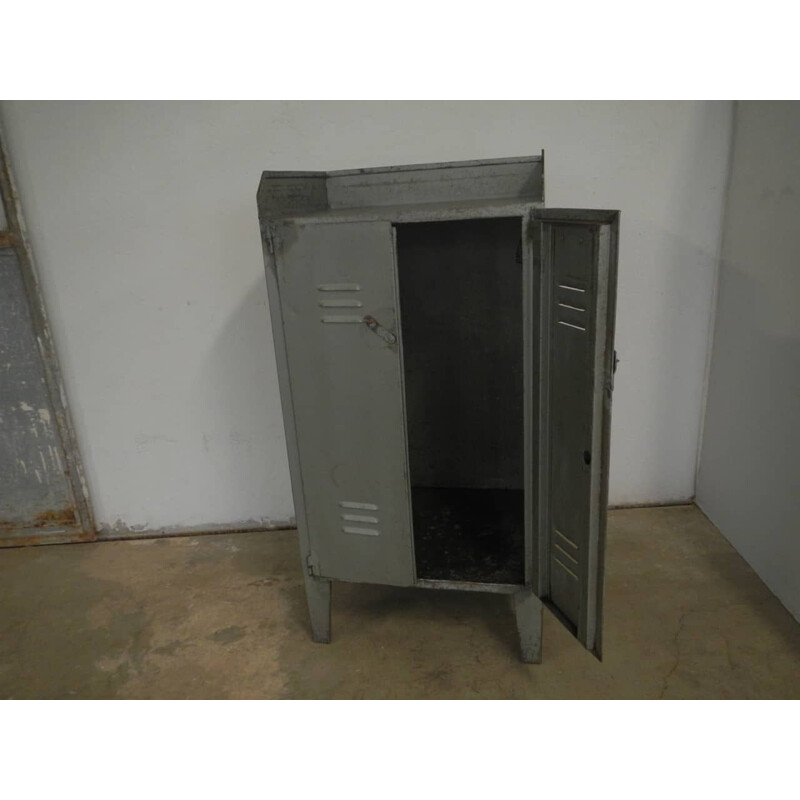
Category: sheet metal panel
[438,183]
[35,427]
[337,286]
[410,187]
[36,498]
[578,261]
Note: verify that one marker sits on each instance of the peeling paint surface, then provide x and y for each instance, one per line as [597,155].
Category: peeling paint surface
[34,490]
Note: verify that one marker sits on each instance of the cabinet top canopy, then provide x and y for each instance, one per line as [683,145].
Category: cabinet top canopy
[472,185]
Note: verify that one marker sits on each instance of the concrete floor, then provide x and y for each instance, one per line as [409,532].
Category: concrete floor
[225,617]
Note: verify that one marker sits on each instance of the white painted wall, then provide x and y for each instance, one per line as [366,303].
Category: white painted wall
[749,477]
[143,222]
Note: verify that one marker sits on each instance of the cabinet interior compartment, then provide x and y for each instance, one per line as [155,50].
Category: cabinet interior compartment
[461,317]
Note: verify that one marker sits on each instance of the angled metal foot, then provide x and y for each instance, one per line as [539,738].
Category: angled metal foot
[318,594]
[528,609]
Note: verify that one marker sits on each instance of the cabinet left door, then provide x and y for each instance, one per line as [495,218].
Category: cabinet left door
[333,301]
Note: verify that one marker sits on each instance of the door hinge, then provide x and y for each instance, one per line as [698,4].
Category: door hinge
[269,236]
[611,373]
[312,565]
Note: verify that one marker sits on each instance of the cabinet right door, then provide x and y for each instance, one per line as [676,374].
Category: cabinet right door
[577,271]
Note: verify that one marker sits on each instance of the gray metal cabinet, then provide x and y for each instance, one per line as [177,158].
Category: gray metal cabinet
[445,355]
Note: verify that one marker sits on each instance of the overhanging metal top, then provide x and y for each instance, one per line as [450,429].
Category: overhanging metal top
[469,184]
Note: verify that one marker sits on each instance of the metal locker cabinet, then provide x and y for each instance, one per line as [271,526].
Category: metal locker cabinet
[333,258]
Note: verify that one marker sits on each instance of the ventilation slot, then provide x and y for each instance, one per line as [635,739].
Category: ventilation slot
[340,302]
[565,568]
[343,318]
[359,524]
[565,553]
[361,531]
[363,506]
[571,325]
[359,518]
[339,287]
[565,539]
[571,307]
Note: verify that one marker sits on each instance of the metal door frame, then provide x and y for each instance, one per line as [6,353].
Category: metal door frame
[15,237]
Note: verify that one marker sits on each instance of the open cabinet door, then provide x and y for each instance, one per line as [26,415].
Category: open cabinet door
[333,302]
[578,260]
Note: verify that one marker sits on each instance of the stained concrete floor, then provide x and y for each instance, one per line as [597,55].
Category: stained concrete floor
[224,617]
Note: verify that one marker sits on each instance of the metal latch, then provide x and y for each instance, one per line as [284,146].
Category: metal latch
[376,327]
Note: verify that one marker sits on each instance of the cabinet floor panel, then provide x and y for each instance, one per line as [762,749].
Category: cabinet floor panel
[469,534]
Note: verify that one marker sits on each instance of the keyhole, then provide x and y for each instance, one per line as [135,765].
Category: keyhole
[587,457]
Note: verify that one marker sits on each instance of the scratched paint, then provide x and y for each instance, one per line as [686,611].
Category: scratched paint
[34,489]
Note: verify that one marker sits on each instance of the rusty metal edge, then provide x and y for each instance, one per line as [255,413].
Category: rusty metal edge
[96,537]
[127,536]
[35,540]
[47,351]
[82,537]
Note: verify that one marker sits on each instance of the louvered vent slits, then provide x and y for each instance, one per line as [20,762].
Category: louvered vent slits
[359,518]
[343,299]
[570,306]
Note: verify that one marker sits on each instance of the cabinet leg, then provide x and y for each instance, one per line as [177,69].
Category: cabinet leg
[318,594]
[528,609]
